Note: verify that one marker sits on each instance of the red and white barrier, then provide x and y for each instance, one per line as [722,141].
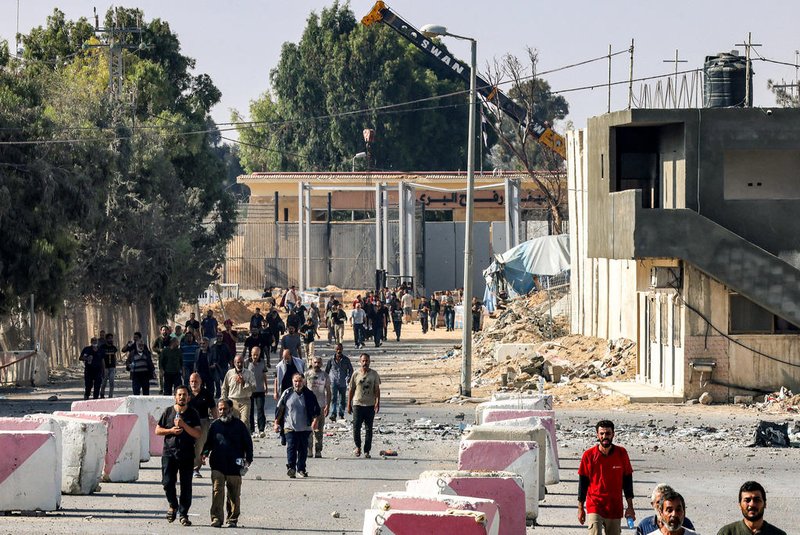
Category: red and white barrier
[503,488]
[519,457]
[547,419]
[83,447]
[121,459]
[149,410]
[399,522]
[538,402]
[29,478]
[406,501]
[530,432]
[546,400]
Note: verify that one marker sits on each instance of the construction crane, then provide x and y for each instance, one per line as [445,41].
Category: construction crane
[541,132]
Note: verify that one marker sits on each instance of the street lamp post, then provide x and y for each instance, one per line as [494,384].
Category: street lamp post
[431,30]
[357,156]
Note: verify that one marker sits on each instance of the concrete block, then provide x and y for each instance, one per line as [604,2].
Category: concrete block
[407,501]
[540,427]
[528,433]
[121,459]
[30,424]
[504,352]
[83,448]
[399,522]
[547,419]
[29,476]
[504,488]
[149,410]
[517,456]
[537,402]
[545,399]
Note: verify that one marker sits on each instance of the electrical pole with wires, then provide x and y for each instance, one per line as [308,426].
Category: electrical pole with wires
[748,97]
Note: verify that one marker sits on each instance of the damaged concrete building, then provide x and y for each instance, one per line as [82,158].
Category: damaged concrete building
[685,238]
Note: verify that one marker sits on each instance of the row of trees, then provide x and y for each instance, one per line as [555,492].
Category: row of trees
[340,77]
[108,197]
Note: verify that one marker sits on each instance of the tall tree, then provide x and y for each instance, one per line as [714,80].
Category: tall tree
[517,149]
[136,180]
[332,84]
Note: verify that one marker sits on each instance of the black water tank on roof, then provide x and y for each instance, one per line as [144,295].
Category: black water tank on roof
[725,83]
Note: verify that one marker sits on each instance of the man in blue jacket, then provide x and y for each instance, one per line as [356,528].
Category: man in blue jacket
[296,414]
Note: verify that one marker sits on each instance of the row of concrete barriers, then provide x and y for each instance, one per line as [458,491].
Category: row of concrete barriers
[504,462]
[71,452]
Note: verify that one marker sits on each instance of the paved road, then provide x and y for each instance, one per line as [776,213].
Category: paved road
[702,454]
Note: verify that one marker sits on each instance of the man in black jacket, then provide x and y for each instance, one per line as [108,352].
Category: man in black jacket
[231,450]
[296,414]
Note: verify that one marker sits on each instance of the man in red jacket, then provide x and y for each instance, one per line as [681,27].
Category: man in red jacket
[605,473]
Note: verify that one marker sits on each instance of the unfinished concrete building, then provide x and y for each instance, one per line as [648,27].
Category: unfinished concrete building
[684,238]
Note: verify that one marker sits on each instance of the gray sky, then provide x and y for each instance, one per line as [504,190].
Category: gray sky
[237,42]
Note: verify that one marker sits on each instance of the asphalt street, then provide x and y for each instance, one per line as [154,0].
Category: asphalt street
[704,455]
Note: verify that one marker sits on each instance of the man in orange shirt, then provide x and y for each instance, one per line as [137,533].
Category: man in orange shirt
[605,473]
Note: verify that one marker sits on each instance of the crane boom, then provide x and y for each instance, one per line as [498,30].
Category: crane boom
[541,132]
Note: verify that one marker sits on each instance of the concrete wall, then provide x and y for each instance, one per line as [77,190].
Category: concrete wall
[604,299]
[696,150]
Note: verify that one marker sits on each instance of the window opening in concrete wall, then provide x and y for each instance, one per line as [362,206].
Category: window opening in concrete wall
[746,317]
[286,214]
[637,163]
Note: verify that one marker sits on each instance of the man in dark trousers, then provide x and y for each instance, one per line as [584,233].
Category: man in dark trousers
[231,450]
[92,358]
[364,402]
[380,318]
[180,427]
[296,416]
[604,474]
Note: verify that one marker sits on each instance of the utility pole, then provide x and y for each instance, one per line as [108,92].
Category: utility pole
[111,38]
[630,79]
[609,79]
[675,89]
[748,98]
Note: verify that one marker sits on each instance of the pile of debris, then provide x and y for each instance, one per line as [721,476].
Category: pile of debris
[781,401]
[558,357]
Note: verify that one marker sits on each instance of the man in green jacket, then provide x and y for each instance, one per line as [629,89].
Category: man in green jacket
[170,364]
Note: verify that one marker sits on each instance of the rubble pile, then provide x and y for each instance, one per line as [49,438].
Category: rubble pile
[781,401]
[559,357]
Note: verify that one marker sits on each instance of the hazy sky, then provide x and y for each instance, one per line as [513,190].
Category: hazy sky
[237,42]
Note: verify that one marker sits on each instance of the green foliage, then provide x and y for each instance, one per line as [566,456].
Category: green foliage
[340,66]
[133,204]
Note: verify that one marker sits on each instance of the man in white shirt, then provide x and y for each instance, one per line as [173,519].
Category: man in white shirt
[357,318]
[407,302]
[291,298]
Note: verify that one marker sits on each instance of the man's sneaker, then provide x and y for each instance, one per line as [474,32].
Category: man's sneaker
[197,473]
[216,523]
[232,523]
[333,418]
[185,521]
[318,455]
[291,473]
[262,434]
[303,473]
[367,455]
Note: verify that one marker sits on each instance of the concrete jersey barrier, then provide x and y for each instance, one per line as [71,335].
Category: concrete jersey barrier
[547,419]
[399,522]
[407,501]
[32,424]
[29,479]
[537,403]
[517,456]
[531,433]
[83,448]
[504,488]
[121,458]
[149,410]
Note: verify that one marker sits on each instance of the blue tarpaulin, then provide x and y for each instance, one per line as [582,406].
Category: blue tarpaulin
[514,270]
